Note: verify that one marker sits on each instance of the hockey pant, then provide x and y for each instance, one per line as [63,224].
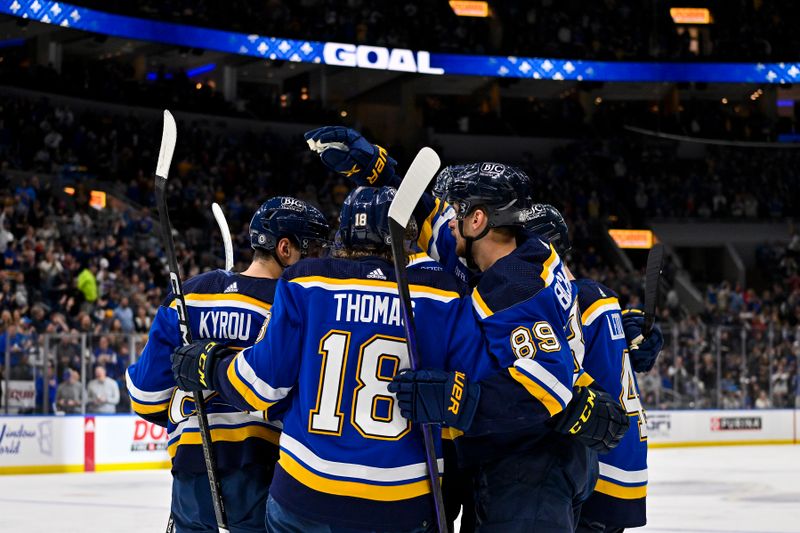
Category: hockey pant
[244,494]
[536,491]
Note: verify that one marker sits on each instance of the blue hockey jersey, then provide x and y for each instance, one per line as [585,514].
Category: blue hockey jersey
[523,304]
[334,342]
[619,496]
[528,314]
[228,308]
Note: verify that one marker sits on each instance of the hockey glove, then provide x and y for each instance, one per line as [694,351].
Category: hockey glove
[193,365]
[347,152]
[436,397]
[643,352]
[594,418]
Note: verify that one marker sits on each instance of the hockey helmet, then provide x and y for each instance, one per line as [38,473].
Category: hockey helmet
[364,220]
[284,216]
[547,222]
[502,190]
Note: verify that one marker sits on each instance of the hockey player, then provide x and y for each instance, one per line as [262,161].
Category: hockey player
[613,349]
[527,311]
[230,309]
[348,459]
[532,305]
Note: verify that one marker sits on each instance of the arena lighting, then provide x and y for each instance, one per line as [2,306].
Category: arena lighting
[394,59]
[690,15]
[468,8]
[97,199]
[69,190]
[639,239]
[202,69]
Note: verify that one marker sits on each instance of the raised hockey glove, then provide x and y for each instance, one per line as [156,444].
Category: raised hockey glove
[436,397]
[193,365]
[347,152]
[594,418]
[643,351]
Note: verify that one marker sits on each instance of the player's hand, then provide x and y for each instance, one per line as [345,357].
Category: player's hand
[347,152]
[193,365]
[643,352]
[594,418]
[436,397]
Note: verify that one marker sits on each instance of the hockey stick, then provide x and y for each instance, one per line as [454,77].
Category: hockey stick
[419,175]
[226,234]
[652,283]
[168,139]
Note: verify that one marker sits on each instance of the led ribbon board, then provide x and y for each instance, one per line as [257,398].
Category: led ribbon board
[396,59]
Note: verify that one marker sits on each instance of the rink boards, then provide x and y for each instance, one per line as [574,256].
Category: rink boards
[75,443]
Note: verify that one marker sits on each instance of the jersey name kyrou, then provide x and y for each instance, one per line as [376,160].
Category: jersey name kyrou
[225,325]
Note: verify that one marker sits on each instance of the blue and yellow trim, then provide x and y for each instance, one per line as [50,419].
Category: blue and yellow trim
[536,389]
[197,297]
[149,408]
[370,283]
[353,489]
[225,434]
[245,391]
[623,492]
[547,266]
[479,302]
[426,231]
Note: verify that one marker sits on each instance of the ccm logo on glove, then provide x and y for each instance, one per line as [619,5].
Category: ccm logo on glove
[456,393]
[201,363]
[587,412]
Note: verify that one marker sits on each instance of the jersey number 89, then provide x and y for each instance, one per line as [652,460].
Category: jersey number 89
[374,413]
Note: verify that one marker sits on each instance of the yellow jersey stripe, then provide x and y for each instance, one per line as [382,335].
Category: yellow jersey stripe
[374,283]
[620,491]
[595,306]
[451,433]
[478,300]
[546,274]
[149,409]
[584,380]
[245,391]
[224,296]
[353,489]
[549,401]
[227,435]
[426,231]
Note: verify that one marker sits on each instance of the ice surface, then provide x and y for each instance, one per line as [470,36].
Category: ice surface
[745,489]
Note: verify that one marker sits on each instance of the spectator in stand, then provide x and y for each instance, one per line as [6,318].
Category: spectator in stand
[49,382]
[103,392]
[124,314]
[106,355]
[87,283]
[69,393]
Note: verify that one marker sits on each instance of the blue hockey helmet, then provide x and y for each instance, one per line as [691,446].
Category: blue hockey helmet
[364,220]
[443,179]
[547,222]
[284,216]
[503,191]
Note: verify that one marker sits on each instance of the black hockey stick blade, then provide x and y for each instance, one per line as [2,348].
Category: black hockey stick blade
[168,140]
[416,180]
[655,263]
